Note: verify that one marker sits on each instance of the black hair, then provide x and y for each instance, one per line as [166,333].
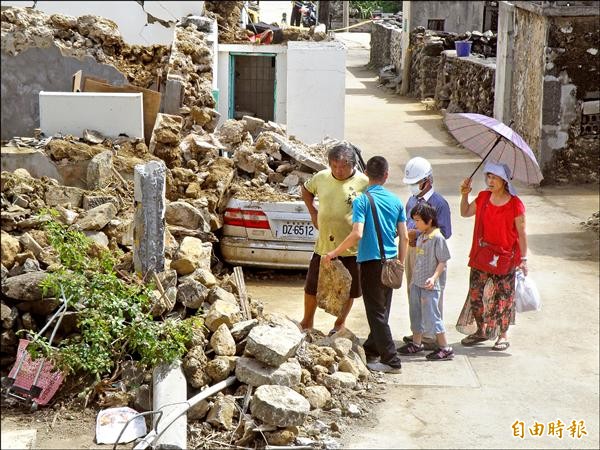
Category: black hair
[342,152]
[426,212]
[377,166]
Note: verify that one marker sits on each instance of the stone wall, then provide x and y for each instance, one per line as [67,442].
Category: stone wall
[526,97]
[381,34]
[396,49]
[571,114]
[465,84]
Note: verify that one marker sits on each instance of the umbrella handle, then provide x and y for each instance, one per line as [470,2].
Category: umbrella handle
[490,151]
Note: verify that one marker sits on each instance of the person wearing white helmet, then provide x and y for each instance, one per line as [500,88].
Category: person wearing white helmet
[418,175]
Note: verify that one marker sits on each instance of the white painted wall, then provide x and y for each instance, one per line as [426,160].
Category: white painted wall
[316,90]
[280,76]
[310,86]
[128,15]
[109,113]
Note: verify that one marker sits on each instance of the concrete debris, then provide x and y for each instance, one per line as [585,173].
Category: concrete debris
[88,181]
[333,290]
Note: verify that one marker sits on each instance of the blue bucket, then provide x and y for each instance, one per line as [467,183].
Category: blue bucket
[463,48]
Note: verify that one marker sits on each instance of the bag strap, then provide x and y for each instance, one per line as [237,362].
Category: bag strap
[377,226]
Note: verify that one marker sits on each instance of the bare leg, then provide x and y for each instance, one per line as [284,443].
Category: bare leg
[340,322]
[441,340]
[417,338]
[310,306]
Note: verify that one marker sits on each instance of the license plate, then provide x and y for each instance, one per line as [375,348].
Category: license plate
[297,230]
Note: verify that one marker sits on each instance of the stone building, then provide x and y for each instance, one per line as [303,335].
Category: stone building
[547,83]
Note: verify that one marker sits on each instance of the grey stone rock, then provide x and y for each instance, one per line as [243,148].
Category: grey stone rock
[342,346]
[185,215]
[218,293]
[222,312]
[10,248]
[222,342]
[199,410]
[222,412]
[194,367]
[279,405]
[220,368]
[191,293]
[97,218]
[25,287]
[333,290]
[256,373]
[65,196]
[143,398]
[317,396]
[99,171]
[205,277]
[241,329]
[273,345]
[343,380]
[98,237]
[192,254]
[91,201]
[29,243]
[9,315]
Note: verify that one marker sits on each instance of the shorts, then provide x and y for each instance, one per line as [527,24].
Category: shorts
[312,277]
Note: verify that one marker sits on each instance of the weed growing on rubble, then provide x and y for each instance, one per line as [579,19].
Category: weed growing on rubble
[113,316]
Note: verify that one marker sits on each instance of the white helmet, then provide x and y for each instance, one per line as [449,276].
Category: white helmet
[416,169]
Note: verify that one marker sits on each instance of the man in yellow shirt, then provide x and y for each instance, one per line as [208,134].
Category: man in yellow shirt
[335,188]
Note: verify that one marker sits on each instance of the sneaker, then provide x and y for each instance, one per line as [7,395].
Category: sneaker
[385,368]
[411,349]
[441,355]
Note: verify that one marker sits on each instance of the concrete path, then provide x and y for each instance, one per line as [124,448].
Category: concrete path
[549,373]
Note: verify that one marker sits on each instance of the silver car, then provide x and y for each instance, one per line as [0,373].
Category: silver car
[268,234]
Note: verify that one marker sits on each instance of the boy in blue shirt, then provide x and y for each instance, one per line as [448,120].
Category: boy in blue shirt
[377,297]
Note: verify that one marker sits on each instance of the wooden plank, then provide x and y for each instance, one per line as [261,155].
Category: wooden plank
[238,277]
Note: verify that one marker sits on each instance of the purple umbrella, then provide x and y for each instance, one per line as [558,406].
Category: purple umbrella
[490,138]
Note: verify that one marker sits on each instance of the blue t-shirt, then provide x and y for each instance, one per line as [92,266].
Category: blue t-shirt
[390,212]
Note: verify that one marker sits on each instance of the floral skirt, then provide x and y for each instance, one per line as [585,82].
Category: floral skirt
[490,302]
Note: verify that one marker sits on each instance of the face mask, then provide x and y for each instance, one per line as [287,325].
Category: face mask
[414,189]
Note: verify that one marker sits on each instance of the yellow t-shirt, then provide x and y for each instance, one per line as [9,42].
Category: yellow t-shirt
[335,208]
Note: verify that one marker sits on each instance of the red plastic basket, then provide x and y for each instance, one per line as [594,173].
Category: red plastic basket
[49,380]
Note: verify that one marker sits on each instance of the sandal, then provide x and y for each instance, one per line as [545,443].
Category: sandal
[501,346]
[473,339]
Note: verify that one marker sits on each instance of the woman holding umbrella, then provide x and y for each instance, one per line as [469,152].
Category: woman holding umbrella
[499,248]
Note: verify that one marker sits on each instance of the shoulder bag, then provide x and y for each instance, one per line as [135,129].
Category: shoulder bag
[392,270]
[488,257]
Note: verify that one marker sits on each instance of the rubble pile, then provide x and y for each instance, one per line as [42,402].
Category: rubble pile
[293,379]
[576,164]
[228,14]
[24,28]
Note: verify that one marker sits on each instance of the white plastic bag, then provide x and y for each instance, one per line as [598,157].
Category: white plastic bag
[111,421]
[527,297]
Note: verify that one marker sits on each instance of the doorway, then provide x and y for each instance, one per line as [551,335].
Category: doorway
[252,86]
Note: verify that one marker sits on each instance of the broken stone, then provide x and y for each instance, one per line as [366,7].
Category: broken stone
[29,243]
[249,161]
[29,322]
[9,315]
[220,367]
[273,345]
[317,396]
[8,339]
[342,346]
[222,312]
[66,196]
[99,171]
[333,290]
[231,132]
[192,254]
[252,124]
[97,236]
[67,216]
[24,287]
[185,215]
[256,373]
[218,293]
[91,201]
[97,218]
[194,365]
[198,411]
[240,330]
[222,342]
[279,405]
[143,398]
[222,412]
[282,437]
[343,380]
[10,247]
[191,293]
[205,277]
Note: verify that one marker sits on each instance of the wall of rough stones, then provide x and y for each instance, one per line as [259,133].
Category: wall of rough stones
[571,116]
[465,84]
[381,34]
